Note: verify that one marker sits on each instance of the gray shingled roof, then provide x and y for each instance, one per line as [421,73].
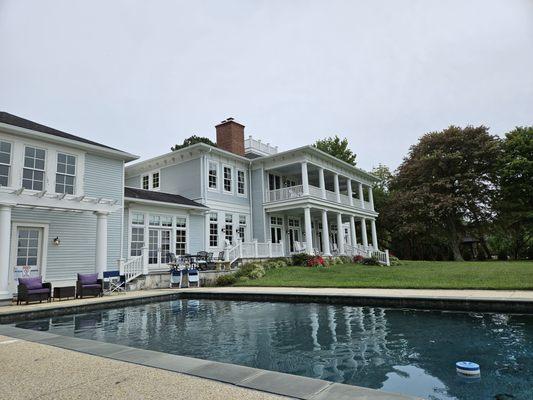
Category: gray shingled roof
[141,194]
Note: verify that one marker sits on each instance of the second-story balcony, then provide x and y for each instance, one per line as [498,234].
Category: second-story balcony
[297,192]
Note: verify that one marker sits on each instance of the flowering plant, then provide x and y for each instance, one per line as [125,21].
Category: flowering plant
[315,261]
[358,259]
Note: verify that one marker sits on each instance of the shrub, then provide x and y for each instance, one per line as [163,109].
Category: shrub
[245,269]
[336,260]
[358,259]
[271,265]
[300,259]
[281,263]
[256,273]
[226,280]
[346,259]
[370,261]
[394,261]
[315,261]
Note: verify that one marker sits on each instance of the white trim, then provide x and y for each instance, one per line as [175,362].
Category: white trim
[133,200]
[15,224]
[226,206]
[150,176]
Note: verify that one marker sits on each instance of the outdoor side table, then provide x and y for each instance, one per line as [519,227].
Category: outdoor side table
[64,292]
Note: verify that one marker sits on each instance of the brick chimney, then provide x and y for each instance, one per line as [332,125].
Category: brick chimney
[230,136]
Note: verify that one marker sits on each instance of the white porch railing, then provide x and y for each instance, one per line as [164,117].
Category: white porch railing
[360,250]
[253,249]
[331,196]
[134,266]
[291,192]
[315,191]
[345,199]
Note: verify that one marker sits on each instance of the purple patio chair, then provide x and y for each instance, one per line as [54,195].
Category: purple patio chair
[33,289]
[89,285]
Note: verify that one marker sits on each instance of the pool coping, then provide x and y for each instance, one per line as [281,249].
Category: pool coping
[407,301]
[293,386]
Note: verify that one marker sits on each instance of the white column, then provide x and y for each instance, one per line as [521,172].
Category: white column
[374,234]
[305,178]
[308,231]
[5,243]
[101,243]
[336,187]
[363,232]
[371,198]
[325,234]
[361,196]
[350,194]
[352,231]
[322,182]
[340,234]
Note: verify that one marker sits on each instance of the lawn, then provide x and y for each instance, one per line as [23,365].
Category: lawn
[411,274]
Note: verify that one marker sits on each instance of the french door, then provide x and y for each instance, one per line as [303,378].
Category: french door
[294,234]
[28,252]
[158,246]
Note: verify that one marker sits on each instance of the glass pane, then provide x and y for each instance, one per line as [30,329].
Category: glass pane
[71,170]
[61,168]
[61,158]
[71,160]
[39,153]
[69,180]
[29,162]
[5,147]
[5,158]
[39,164]
[29,152]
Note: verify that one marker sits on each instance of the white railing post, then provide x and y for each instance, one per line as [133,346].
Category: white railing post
[256,253]
[269,249]
[305,179]
[240,244]
[387,260]
[120,263]
[282,248]
[145,260]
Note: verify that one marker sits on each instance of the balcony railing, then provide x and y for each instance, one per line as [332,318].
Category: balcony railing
[295,192]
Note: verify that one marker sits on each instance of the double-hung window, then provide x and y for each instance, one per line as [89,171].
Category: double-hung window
[145,182]
[151,181]
[66,173]
[5,162]
[213,175]
[181,236]
[155,180]
[137,234]
[242,227]
[228,179]
[241,183]
[33,172]
[213,230]
[229,228]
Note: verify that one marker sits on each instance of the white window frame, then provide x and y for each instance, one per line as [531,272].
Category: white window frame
[147,181]
[224,166]
[150,176]
[44,170]
[244,186]
[184,229]
[242,227]
[217,228]
[10,165]
[231,231]
[74,185]
[217,171]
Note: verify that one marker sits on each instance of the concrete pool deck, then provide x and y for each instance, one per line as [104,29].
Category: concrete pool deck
[518,301]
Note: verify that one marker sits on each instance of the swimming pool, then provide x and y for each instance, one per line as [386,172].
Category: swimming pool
[404,351]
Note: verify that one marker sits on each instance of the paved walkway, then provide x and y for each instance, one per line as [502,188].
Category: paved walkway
[31,370]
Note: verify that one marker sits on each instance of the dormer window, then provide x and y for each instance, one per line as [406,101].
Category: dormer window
[155,180]
[151,181]
[146,182]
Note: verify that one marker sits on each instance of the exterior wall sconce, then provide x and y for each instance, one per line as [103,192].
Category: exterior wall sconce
[223,230]
[56,241]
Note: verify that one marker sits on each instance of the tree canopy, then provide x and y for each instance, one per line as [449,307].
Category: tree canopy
[337,148]
[193,140]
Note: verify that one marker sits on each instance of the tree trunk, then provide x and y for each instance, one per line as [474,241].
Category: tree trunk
[453,240]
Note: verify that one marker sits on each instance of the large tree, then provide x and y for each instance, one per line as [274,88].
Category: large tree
[446,186]
[515,206]
[337,147]
[193,140]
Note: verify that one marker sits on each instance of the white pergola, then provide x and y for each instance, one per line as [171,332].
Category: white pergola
[21,198]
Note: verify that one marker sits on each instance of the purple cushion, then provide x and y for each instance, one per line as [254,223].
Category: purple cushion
[36,291]
[87,279]
[92,286]
[35,282]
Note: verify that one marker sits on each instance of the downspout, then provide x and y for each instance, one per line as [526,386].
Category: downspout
[122,212]
[251,200]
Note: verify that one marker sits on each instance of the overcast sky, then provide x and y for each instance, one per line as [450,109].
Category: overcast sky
[143,75]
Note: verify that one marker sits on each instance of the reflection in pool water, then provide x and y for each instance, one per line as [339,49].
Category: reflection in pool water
[405,351]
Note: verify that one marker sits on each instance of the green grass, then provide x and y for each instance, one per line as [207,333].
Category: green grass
[411,274]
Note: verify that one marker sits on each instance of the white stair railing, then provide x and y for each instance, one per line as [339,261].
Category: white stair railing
[135,266]
[360,250]
[253,249]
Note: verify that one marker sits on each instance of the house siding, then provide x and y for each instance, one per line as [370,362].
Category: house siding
[183,179]
[196,233]
[258,217]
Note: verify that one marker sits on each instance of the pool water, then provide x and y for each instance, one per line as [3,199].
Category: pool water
[404,351]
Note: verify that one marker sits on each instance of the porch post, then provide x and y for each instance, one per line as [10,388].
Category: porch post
[305,179]
[352,231]
[322,182]
[374,234]
[308,231]
[340,234]
[101,243]
[361,195]
[5,243]
[350,194]
[363,232]
[371,198]
[325,234]
[336,187]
